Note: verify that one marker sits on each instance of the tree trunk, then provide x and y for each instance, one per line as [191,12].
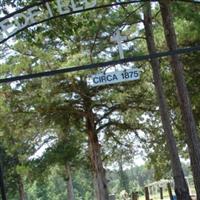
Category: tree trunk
[123,178]
[2,186]
[183,96]
[70,189]
[100,181]
[22,195]
[181,188]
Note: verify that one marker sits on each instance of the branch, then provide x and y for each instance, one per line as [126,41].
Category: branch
[112,109]
[120,125]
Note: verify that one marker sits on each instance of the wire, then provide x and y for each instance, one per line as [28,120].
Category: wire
[102,64]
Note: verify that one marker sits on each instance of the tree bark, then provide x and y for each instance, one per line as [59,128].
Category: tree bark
[182,93]
[100,181]
[22,195]
[181,188]
[124,182]
[2,186]
[70,189]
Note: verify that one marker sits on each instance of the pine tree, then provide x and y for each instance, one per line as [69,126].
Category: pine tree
[182,92]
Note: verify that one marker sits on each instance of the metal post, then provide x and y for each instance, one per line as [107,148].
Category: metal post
[161,193]
[170,191]
[146,191]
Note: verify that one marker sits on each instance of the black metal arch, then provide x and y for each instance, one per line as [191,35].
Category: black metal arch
[71,13]
[102,64]
[60,15]
[96,65]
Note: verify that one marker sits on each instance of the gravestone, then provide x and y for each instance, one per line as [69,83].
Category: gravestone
[134,196]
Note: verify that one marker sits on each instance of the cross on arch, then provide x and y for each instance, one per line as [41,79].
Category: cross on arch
[118,38]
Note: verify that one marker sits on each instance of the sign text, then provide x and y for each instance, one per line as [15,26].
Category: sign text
[114,77]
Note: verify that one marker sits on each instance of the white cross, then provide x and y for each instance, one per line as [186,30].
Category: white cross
[119,39]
